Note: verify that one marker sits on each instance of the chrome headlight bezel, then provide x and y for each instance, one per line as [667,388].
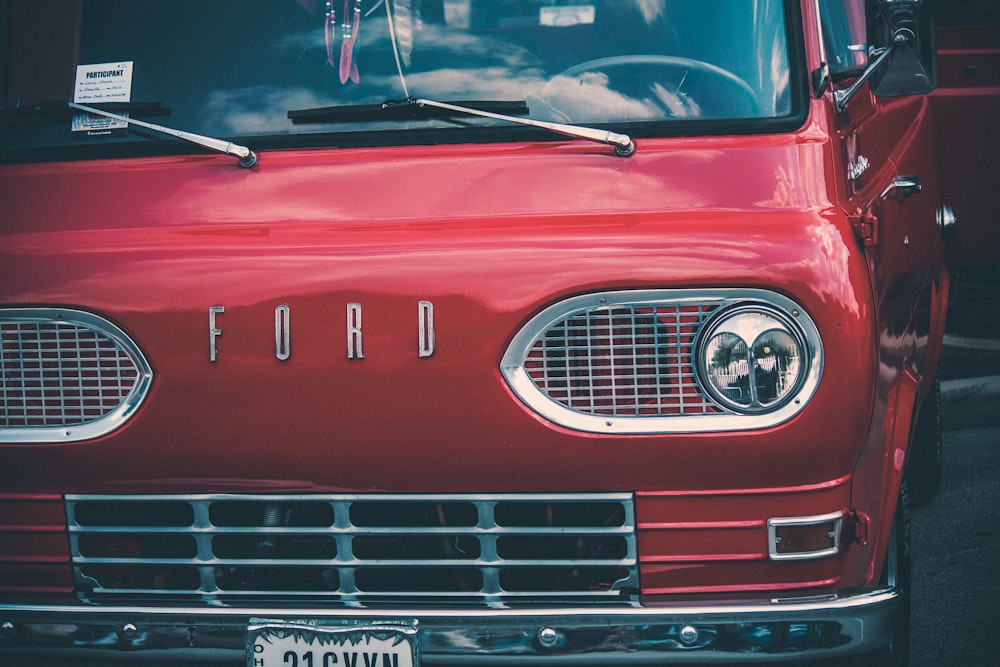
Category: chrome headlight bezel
[55,398]
[748,324]
[520,361]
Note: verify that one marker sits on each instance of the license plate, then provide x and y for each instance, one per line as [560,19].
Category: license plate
[332,644]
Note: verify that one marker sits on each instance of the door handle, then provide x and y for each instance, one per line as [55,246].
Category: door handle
[902,187]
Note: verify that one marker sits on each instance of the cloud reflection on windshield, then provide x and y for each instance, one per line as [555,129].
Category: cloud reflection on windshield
[453,62]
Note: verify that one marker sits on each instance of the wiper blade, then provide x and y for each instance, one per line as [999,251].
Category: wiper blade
[54,111]
[414,108]
[404,109]
[247,158]
[621,143]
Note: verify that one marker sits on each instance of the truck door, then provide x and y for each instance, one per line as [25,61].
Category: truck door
[886,138]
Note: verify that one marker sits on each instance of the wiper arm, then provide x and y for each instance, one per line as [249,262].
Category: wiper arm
[414,108]
[247,158]
[622,143]
[397,110]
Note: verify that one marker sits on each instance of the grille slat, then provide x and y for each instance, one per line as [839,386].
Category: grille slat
[630,360]
[369,549]
[66,375]
[353,562]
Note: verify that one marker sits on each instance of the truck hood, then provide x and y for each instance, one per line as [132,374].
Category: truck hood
[488,236]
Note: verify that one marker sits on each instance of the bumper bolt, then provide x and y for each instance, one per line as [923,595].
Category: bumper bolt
[689,635]
[548,637]
[128,631]
[6,630]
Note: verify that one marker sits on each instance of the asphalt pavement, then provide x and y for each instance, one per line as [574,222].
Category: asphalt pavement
[970,383]
[970,360]
[955,537]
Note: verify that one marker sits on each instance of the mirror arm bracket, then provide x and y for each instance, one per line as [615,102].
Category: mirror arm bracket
[842,97]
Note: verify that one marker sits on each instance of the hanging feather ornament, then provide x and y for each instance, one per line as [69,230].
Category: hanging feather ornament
[349,43]
[329,25]
[404,29]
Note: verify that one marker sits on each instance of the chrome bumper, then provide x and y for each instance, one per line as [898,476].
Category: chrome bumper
[768,631]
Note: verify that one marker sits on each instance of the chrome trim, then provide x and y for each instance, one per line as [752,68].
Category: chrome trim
[712,303]
[426,338]
[491,531]
[842,97]
[738,632]
[902,187]
[247,158]
[355,348]
[718,325]
[282,332]
[857,168]
[947,224]
[622,143]
[75,401]
[837,518]
[214,331]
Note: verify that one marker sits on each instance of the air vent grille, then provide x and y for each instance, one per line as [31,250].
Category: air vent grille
[622,361]
[364,550]
[66,375]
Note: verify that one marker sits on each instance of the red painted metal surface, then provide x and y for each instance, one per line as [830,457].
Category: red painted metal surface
[155,244]
[34,558]
[489,234]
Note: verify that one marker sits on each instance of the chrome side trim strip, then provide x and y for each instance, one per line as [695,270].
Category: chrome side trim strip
[767,631]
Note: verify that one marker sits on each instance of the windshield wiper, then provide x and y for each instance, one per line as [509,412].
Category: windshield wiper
[397,110]
[414,108]
[622,143]
[247,158]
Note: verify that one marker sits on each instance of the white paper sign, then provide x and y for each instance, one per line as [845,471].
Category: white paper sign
[564,16]
[101,82]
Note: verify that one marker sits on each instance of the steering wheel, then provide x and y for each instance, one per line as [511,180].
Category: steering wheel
[649,87]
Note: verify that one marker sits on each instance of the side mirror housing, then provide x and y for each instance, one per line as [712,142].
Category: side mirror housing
[906,27]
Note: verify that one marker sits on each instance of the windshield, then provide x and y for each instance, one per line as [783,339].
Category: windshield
[263,69]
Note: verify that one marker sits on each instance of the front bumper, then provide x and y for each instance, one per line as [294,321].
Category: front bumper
[792,629]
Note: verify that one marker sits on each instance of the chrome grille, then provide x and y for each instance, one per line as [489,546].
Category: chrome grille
[362,550]
[65,375]
[623,361]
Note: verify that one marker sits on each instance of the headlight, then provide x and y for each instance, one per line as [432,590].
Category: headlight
[667,361]
[752,359]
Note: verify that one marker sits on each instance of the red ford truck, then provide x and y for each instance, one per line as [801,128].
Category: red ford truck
[408,332]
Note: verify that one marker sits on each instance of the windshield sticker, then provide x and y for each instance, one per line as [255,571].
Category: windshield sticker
[101,83]
[567,15]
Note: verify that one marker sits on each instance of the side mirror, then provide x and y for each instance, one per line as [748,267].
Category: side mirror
[906,27]
[898,36]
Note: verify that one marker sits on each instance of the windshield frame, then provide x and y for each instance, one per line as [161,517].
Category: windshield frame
[148,144]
